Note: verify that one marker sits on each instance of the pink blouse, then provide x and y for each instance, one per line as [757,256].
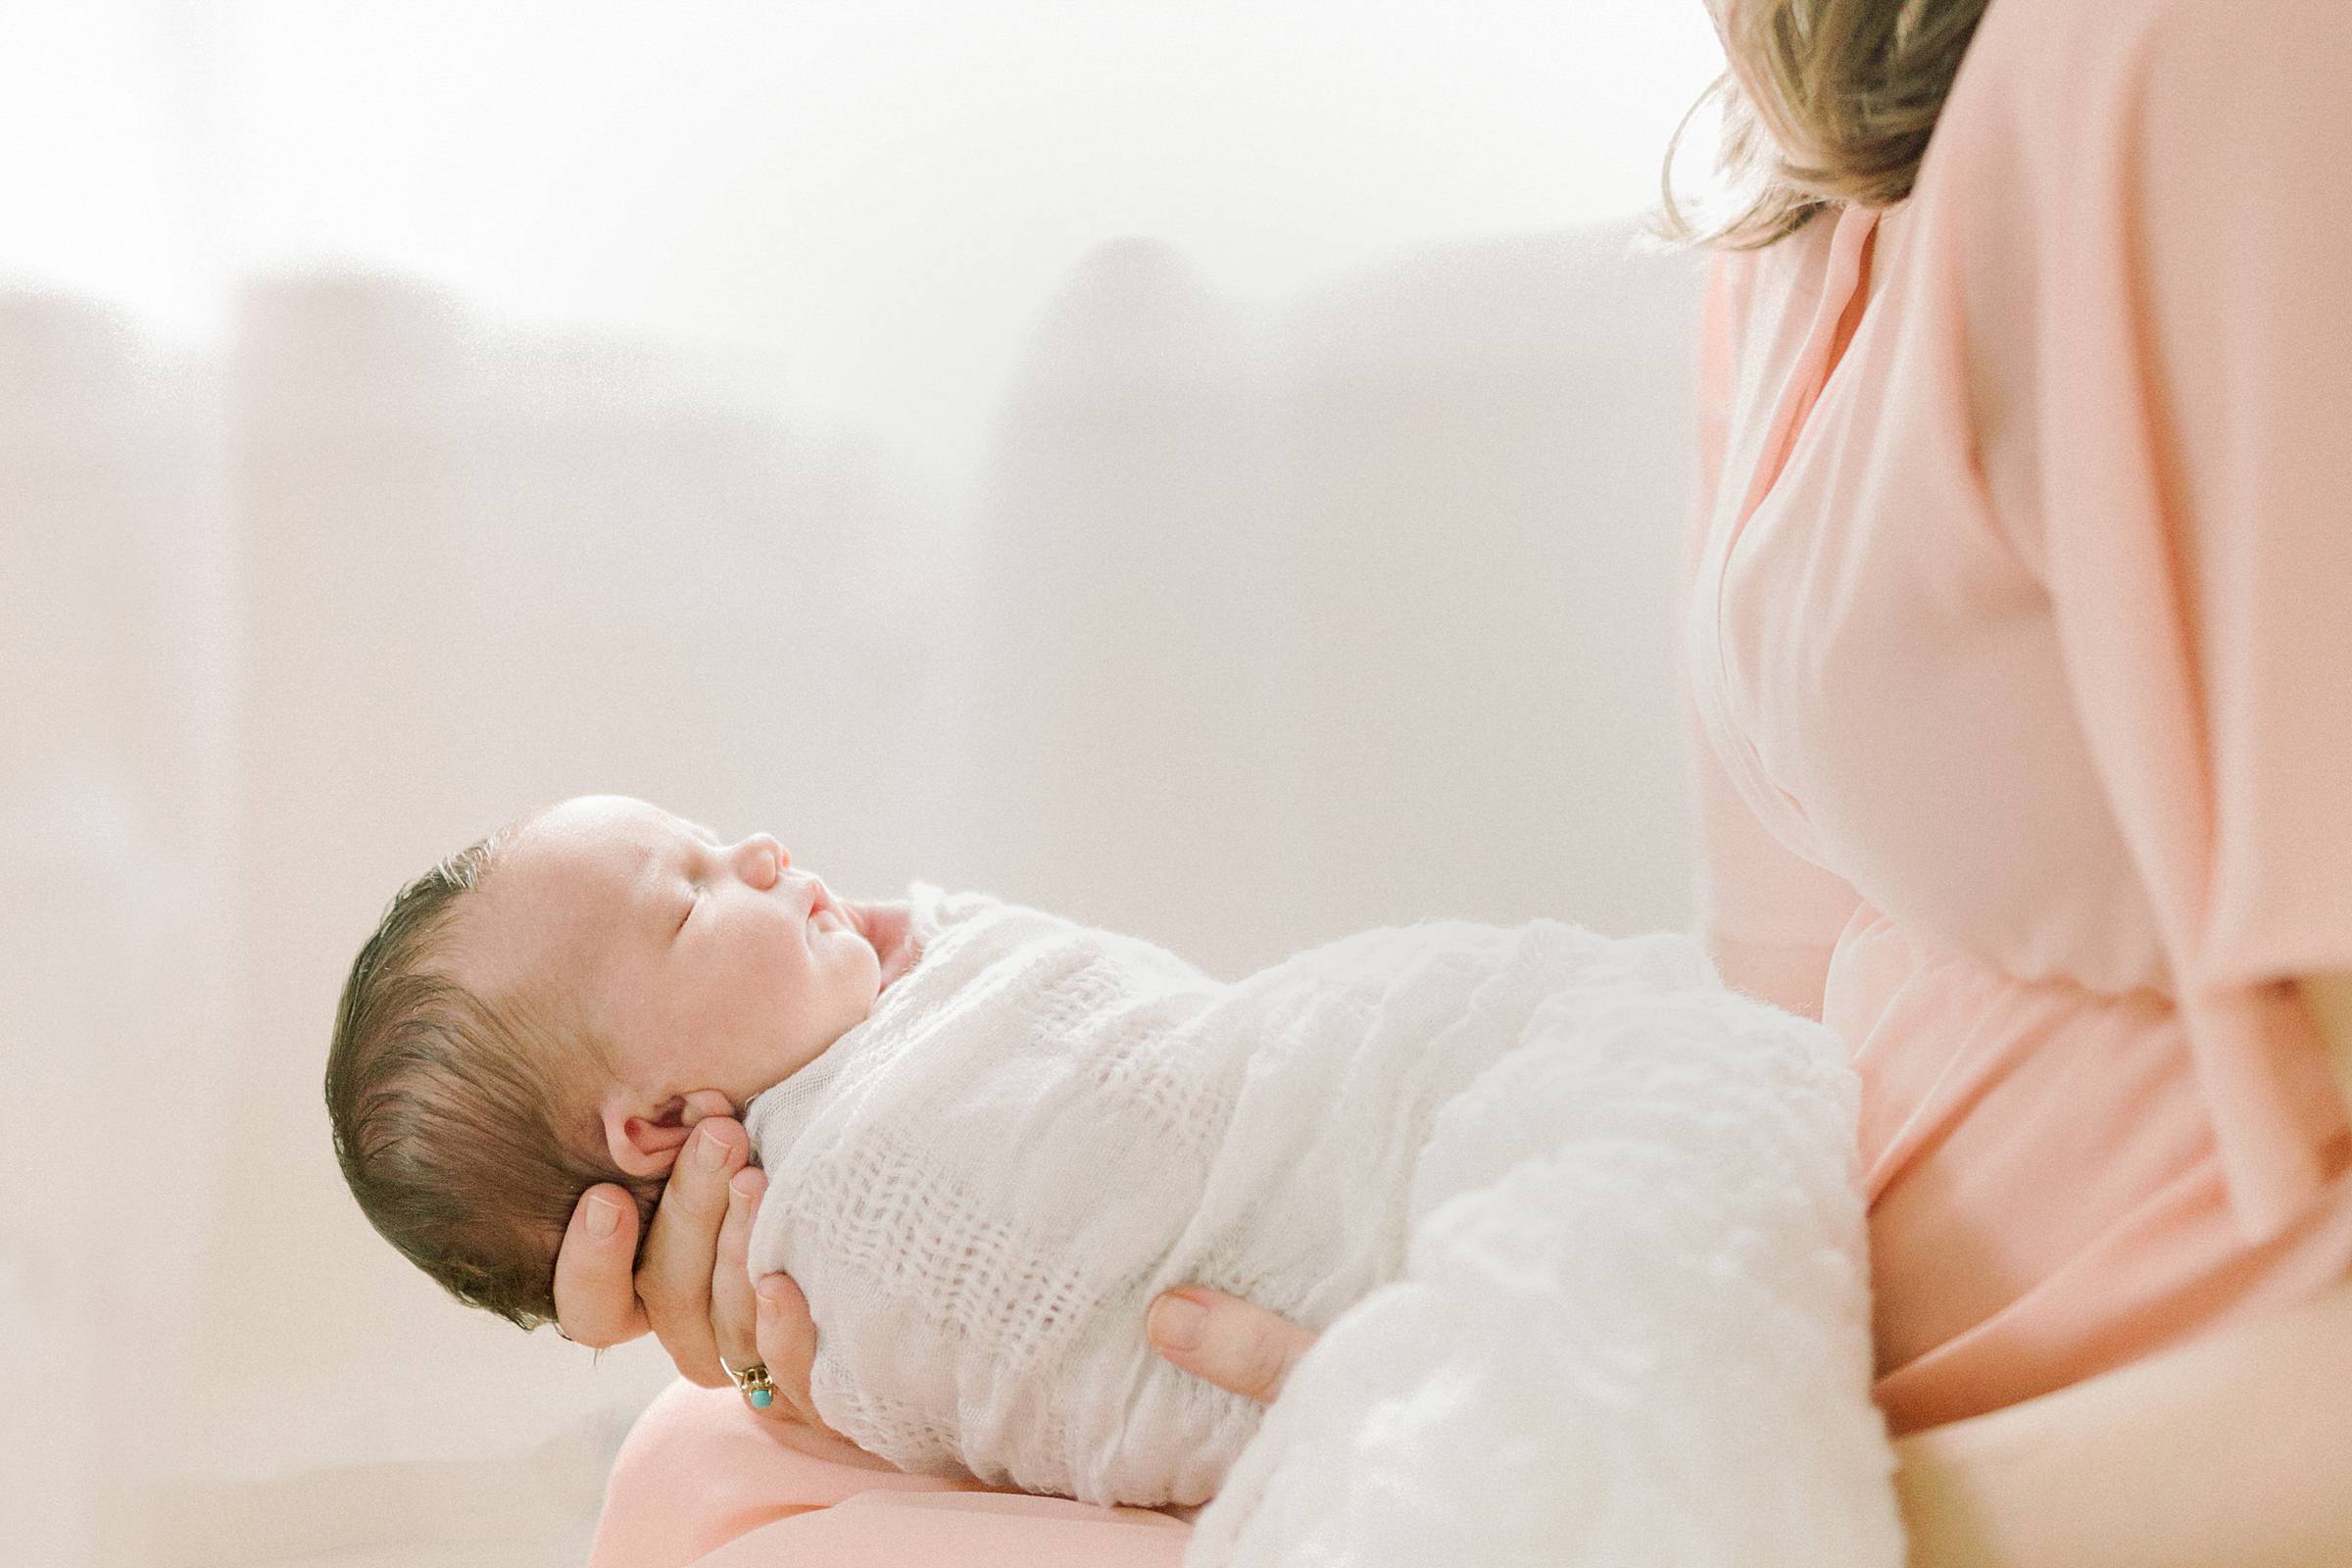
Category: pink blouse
[2020,663]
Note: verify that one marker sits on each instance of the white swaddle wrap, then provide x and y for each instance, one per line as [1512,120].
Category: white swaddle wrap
[1041,1126]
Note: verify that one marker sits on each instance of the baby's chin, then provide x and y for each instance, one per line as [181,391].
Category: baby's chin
[873,973]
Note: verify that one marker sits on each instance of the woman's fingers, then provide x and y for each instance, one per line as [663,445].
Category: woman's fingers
[1233,1344]
[596,1300]
[787,1340]
[734,1315]
[681,1250]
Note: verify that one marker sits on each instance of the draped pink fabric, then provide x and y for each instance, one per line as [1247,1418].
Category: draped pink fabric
[2021,672]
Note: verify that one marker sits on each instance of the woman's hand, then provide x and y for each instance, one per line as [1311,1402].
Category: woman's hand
[1242,1348]
[694,1290]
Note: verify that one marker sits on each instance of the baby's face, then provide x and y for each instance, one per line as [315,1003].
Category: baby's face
[714,970]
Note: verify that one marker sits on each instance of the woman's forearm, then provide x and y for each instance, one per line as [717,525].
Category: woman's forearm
[2235,1451]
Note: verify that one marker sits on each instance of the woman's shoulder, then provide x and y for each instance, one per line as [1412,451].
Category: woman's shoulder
[2075,126]
[2121,27]
[2141,56]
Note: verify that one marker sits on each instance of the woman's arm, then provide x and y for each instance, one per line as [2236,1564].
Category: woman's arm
[2233,1451]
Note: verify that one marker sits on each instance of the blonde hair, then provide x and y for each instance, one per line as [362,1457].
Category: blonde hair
[1827,102]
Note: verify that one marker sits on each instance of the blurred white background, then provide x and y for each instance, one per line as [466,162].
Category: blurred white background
[1213,468]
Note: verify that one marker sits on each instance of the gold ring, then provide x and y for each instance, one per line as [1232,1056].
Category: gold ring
[752,1382]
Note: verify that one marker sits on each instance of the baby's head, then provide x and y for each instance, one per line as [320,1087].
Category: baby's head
[557,1005]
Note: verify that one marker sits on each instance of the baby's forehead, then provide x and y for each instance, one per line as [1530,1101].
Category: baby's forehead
[552,902]
[605,819]
[616,827]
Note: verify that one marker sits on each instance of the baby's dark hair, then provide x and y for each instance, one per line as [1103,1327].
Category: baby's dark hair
[459,1137]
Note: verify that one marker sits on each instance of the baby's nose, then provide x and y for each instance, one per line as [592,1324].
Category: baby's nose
[760,860]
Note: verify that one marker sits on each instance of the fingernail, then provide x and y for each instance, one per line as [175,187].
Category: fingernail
[771,1293]
[740,1189]
[603,1217]
[714,1152]
[1174,1323]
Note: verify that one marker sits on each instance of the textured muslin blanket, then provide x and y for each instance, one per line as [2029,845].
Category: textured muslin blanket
[1571,1214]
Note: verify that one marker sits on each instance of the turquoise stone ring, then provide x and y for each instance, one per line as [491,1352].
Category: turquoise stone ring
[752,1382]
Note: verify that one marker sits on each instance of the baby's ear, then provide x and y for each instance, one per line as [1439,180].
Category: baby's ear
[640,1143]
[648,1146]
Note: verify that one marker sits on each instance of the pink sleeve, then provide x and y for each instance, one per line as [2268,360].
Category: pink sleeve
[959,1530]
[2184,280]
[1768,917]
[702,1481]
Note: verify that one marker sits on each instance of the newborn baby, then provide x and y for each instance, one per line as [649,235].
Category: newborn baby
[991,1135]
